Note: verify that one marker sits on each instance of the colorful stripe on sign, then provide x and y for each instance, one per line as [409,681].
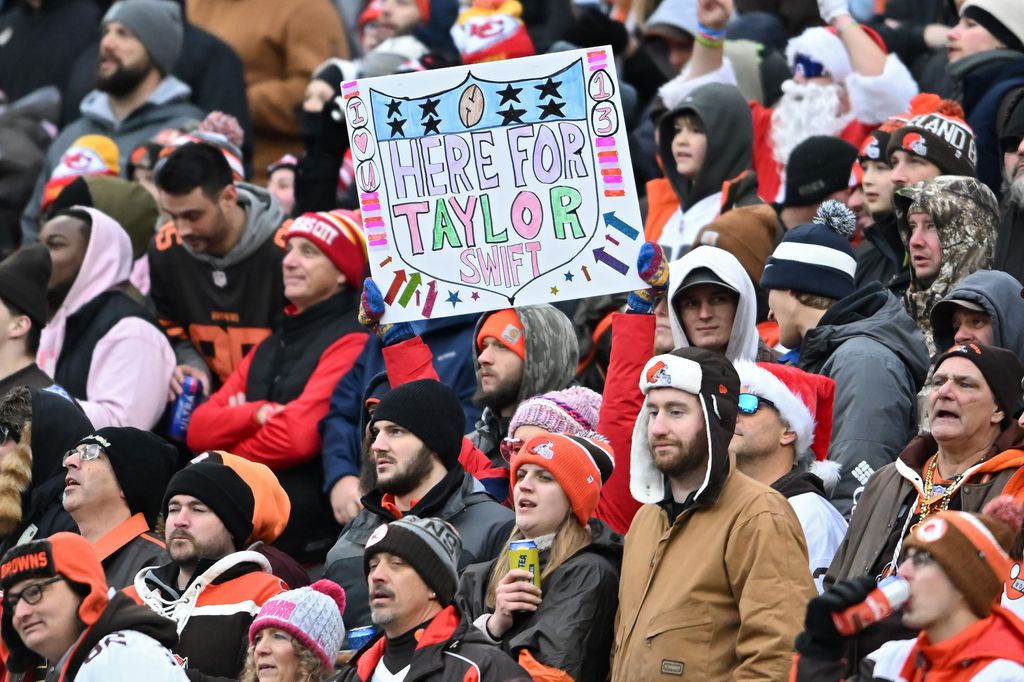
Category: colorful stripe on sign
[597,60]
[350,89]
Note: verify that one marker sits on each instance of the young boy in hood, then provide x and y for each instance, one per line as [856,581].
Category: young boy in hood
[704,148]
[949,225]
[862,339]
[210,265]
[101,344]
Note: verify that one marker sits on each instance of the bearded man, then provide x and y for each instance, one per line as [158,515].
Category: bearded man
[714,571]
[1010,241]
[843,84]
[417,436]
[135,96]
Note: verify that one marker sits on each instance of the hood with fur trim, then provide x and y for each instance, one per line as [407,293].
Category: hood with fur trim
[713,380]
[966,215]
[743,340]
[49,424]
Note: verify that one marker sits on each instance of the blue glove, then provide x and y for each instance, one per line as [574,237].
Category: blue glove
[371,309]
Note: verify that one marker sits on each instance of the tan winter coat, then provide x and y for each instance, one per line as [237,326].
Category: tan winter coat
[718,595]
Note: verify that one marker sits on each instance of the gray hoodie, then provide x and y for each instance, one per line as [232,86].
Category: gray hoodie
[552,353]
[873,350]
[999,294]
[167,107]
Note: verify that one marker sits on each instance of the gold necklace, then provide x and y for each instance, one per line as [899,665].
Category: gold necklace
[928,505]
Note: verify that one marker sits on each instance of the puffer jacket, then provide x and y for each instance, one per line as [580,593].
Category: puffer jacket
[874,352]
[552,353]
[966,215]
[458,498]
[573,627]
[451,649]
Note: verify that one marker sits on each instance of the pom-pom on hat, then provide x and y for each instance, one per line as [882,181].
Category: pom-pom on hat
[572,411]
[580,464]
[312,615]
[816,258]
[339,234]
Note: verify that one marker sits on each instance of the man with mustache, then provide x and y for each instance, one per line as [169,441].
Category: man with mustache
[213,586]
[1009,245]
[844,84]
[417,429]
[135,96]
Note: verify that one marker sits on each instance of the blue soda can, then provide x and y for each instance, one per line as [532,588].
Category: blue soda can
[523,554]
[358,637]
[181,414]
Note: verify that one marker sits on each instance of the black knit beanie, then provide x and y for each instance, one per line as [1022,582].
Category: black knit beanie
[143,464]
[946,141]
[222,490]
[431,546]
[1001,368]
[819,166]
[23,279]
[431,411]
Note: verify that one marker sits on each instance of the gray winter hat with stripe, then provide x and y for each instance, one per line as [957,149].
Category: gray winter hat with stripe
[431,546]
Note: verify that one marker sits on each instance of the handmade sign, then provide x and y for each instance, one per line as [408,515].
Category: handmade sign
[493,185]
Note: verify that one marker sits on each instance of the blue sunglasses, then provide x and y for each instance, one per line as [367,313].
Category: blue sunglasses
[750,403]
[808,67]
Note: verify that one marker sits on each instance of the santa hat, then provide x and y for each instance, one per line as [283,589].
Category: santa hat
[804,401]
[822,45]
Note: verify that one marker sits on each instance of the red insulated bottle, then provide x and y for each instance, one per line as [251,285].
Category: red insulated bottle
[890,594]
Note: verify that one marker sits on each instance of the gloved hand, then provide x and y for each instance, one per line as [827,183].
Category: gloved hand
[652,266]
[371,309]
[830,10]
[820,639]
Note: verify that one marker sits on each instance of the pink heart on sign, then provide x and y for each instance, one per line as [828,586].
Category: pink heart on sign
[361,139]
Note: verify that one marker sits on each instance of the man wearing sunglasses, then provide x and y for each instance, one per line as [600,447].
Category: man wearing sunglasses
[955,565]
[60,622]
[115,479]
[783,415]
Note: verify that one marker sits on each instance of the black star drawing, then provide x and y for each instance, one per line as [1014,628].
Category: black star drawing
[549,89]
[552,108]
[429,107]
[511,115]
[396,127]
[431,125]
[393,108]
[509,94]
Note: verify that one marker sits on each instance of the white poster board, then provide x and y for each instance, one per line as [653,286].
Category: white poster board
[494,185]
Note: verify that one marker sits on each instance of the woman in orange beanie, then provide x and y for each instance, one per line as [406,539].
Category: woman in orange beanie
[563,629]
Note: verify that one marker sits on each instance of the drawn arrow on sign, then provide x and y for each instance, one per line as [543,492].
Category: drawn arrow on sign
[428,306]
[610,220]
[586,273]
[395,286]
[609,260]
[414,283]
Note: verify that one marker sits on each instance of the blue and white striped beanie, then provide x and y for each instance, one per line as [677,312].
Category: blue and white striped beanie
[816,258]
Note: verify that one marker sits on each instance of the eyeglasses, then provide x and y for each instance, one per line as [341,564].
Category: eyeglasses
[31,594]
[510,446]
[750,403]
[919,559]
[8,432]
[85,452]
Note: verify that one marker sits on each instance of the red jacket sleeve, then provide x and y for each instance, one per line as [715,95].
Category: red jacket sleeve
[290,437]
[409,360]
[215,424]
[632,347]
